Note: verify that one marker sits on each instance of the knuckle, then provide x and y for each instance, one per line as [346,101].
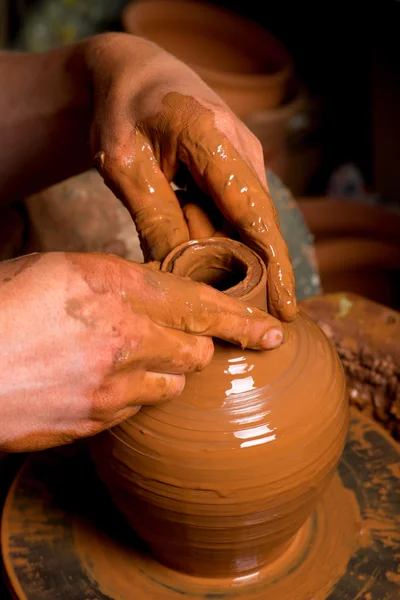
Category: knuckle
[225,120]
[256,145]
[205,351]
[90,428]
[105,405]
[114,165]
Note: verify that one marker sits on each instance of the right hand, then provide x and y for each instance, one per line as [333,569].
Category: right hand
[154,119]
[89,338]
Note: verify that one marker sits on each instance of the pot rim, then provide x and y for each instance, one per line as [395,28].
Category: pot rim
[252,286]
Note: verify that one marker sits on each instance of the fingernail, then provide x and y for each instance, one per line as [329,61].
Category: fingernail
[272,339]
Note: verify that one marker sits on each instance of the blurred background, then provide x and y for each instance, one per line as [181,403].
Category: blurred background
[318,83]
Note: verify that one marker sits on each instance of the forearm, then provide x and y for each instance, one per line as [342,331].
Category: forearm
[44,119]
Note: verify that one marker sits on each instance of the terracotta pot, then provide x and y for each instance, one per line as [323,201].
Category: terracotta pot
[334,217]
[247,66]
[272,127]
[357,247]
[219,481]
[288,137]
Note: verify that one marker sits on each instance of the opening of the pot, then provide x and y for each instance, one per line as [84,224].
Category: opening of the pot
[224,264]
[220,272]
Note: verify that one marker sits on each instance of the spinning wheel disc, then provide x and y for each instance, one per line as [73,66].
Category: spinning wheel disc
[62,538]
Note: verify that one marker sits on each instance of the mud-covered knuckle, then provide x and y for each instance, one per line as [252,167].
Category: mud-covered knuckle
[153,225]
[196,355]
[110,163]
[113,165]
[151,286]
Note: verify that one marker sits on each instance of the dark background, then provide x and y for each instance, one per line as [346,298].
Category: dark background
[347,53]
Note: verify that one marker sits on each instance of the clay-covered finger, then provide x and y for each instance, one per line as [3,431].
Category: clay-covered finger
[130,388]
[201,226]
[245,202]
[177,352]
[164,349]
[241,198]
[132,172]
[145,388]
[198,222]
[199,309]
[160,387]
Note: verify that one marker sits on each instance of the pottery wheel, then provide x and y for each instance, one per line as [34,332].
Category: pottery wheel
[63,539]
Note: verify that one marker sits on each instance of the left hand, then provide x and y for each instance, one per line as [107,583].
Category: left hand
[154,118]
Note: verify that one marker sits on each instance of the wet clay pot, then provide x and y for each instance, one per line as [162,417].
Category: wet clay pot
[240,60]
[220,481]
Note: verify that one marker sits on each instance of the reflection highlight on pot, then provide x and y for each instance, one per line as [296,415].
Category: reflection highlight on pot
[241,385]
[252,436]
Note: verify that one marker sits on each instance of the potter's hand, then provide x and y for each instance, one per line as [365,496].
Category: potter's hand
[152,116]
[88,338]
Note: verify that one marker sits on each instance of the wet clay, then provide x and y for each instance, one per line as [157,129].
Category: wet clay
[318,555]
[219,481]
[194,135]
[59,526]
[225,265]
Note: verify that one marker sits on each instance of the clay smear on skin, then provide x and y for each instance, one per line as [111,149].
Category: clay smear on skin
[141,175]
[247,450]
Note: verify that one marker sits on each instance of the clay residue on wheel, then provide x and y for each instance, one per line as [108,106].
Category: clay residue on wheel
[317,558]
[366,335]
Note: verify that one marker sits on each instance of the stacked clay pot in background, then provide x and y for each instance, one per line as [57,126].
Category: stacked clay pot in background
[219,481]
[250,70]
[291,139]
[247,66]
[357,247]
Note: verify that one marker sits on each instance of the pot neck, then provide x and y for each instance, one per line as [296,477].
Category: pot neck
[225,264]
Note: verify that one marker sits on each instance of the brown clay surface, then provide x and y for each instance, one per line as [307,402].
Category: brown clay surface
[312,564]
[367,337]
[219,481]
[62,538]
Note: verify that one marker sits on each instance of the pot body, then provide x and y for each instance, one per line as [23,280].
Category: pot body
[219,481]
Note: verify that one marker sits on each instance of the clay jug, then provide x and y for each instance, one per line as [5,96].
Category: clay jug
[219,481]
